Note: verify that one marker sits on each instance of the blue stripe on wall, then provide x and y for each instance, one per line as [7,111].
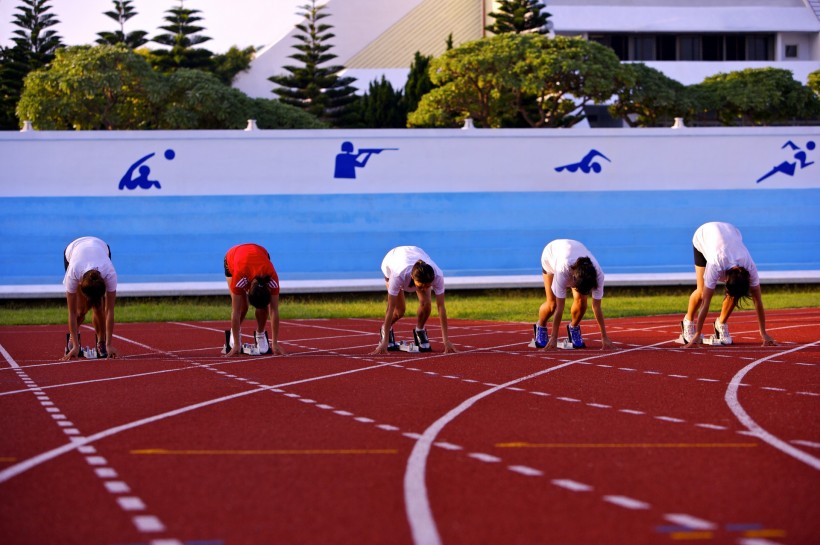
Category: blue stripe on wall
[155,239]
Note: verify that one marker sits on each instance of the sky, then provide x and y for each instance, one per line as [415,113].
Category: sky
[242,23]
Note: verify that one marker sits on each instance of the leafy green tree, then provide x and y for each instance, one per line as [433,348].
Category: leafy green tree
[520,16]
[272,114]
[648,98]
[34,46]
[382,107]
[506,79]
[226,66]
[814,82]
[313,87]
[757,96]
[193,99]
[122,12]
[91,88]
[112,87]
[181,36]
[418,81]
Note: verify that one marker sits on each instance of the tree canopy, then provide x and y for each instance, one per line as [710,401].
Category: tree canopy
[108,87]
[122,12]
[504,79]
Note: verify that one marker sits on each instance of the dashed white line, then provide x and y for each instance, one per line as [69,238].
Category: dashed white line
[569,484]
[489,458]
[689,521]
[526,471]
[626,502]
[131,503]
[148,524]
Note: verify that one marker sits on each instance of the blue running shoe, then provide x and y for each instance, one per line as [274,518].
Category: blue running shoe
[420,336]
[574,335]
[392,345]
[541,338]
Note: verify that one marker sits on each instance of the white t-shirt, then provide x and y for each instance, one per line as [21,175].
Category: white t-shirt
[722,246]
[398,264]
[557,258]
[83,255]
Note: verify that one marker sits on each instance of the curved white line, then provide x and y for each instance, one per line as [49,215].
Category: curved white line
[754,427]
[416,503]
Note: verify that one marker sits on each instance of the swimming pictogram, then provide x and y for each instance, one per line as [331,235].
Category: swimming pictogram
[141,180]
[586,164]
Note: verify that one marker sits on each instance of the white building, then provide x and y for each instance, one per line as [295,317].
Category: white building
[686,39]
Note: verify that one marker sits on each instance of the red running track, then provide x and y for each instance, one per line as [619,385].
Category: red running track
[499,444]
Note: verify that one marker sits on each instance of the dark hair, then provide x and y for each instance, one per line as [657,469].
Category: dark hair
[93,287]
[259,292]
[584,275]
[423,273]
[737,285]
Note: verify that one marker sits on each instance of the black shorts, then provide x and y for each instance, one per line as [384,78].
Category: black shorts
[700,261]
[65,259]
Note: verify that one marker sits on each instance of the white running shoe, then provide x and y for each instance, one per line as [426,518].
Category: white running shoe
[722,332]
[687,330]
[262,342]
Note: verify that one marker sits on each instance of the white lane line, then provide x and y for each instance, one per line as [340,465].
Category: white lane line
[526,471]
[744,418]
[811,444]
[416,501]
[480,456]
[148,524]
[690,522]
[627,503]
[117,487]
[569,484]
[131,503]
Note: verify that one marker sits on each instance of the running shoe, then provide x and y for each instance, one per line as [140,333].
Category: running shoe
[574,335]
[541,337]
[687,330]
[102,352]
[262,341]
[392,345]
[420,336]
[722,332]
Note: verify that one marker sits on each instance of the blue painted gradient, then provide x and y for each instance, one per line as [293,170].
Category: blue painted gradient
[156,239]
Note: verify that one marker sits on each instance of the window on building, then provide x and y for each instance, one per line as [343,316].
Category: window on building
[643,48]
[759,48]
[712,47]
[791,51]
[735,47]
[689,49]
[666,48]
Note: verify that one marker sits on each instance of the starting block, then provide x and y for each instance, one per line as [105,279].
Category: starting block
[563,344]
[408,346]
[711,340]
[247,348]
[87,352]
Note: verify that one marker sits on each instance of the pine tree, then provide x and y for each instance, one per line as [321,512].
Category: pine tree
[418,81]
[382,107]
[181,36]
[121,13]
[34,47]
[520,16]
[315,88]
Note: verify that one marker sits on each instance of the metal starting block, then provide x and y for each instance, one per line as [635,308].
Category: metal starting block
[87,352]
[247,348]
[711,340]
[408,346]
[563,344]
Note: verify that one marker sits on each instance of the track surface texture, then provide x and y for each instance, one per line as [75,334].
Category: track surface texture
[498,444]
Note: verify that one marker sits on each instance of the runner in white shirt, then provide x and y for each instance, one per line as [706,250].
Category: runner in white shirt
[410,269]
[569,264]
[721,256]
[90,283]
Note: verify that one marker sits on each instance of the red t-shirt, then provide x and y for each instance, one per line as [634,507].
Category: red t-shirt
[247,261]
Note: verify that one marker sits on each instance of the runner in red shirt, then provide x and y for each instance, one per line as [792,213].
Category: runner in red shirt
[253,280]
